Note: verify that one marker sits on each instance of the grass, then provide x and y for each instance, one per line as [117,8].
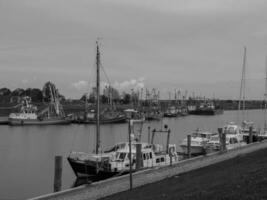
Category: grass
[243,177]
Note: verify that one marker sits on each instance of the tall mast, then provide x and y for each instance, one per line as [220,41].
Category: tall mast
[242,87]
[97,98]
[265,97]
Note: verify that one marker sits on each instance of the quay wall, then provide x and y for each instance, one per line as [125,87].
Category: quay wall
[118,184]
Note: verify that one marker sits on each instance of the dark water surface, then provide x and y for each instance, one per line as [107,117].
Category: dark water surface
[27,153]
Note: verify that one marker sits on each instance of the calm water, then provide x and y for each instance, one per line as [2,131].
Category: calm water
[27,153]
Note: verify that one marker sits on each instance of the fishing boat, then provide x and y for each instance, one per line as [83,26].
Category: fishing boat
[204,108]
[28,113]
[199,140]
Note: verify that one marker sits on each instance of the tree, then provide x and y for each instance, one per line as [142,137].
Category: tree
[126,98]
[5,92]
[18,92]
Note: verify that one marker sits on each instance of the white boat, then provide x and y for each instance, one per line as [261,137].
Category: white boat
[232,142]
[199,140]
[152,156]
[233,135]
[92,164]
[29,114]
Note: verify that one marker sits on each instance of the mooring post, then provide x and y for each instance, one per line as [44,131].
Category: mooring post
[130,153]
[168,141]
[250,135]
[139,159]
[189,146]
[221,138]
[58,173]
[153,135]
[148,134]
[224,141]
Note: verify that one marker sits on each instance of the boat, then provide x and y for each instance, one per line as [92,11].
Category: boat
[90,164]
[171,112]
[3,120]
[133,114]
[151,109]
[115,161]
[245,125]
[204,108]
[263,134]
[199,140]
[152,156]
[28,114]
[233,135]
[108,116]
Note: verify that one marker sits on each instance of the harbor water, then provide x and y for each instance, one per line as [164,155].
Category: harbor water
[27,153]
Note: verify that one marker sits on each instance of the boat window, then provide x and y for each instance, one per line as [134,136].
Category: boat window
[231,130]
[121,156]
[161,159]
[157,160]
[150,155]
[144,156]
[233,140]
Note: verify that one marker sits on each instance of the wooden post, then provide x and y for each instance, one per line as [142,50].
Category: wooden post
[221,138]
[250,135]
[224,141]
[58,173]
[130,154]
[139,158]
[168,141]
[153,135]
[189,146]
[148,135]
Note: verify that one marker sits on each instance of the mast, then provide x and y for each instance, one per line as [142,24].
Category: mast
[242,87]
[265,97]
[97,98]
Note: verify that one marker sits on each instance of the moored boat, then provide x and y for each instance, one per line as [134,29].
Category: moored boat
[233,135]
[199,140]
[28,113]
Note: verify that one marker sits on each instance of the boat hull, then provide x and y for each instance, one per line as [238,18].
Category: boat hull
[102,121]
[53,121]
[3,120]
[205,112]
[89,169]
[195,150]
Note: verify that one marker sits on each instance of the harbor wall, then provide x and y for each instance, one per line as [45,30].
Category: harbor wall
[118,184]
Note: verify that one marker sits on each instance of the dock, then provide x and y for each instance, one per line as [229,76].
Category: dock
[119,184]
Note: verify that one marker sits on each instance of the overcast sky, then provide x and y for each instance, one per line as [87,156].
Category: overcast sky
[166,44]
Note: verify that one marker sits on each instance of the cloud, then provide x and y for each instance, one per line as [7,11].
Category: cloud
[80,85]
[130,84]
[24,81]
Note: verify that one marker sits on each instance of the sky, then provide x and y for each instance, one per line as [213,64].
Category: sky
[170,45]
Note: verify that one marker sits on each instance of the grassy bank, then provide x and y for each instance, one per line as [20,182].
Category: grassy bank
[239,178]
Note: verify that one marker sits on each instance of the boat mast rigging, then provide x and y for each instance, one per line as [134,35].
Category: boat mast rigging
[265,97]
[97,98]
[242,87]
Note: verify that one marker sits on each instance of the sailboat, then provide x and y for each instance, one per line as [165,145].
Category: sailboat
[115,161]
[263,134]
[95,164]
[245,124]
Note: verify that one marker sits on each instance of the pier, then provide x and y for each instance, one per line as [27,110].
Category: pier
[119,184]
